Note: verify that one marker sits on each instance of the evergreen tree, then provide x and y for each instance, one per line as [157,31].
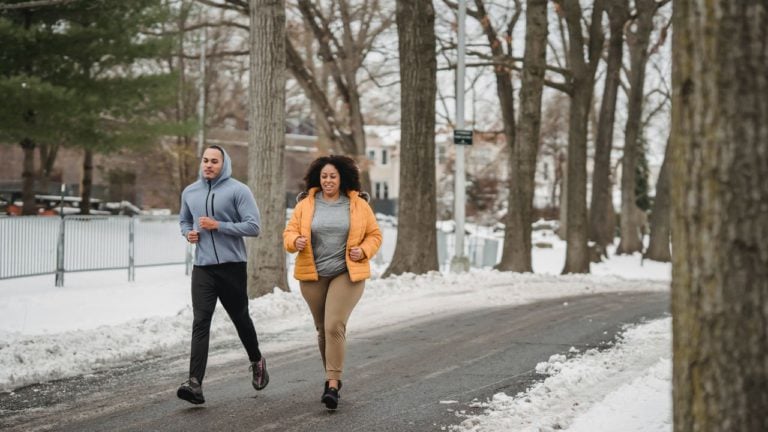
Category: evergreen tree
[83,74]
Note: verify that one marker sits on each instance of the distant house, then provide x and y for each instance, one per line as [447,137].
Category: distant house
[383,154]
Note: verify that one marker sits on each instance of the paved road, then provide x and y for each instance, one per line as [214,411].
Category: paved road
[395,377]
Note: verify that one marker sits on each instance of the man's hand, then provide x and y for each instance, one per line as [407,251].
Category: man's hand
[207,223]
[356,254]
[193,236]
[300,243]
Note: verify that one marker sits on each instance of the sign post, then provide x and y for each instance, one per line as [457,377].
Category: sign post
[460,263]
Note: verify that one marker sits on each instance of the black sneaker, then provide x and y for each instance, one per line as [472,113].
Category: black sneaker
[331,398]
[191,391]
[325,390]
[260,375]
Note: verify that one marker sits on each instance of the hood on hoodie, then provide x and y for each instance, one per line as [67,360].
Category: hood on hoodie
[226,168]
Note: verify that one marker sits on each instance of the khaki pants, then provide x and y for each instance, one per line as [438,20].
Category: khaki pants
[331,301]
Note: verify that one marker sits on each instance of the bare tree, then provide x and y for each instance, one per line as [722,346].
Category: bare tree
[658,244]
[602,217]
[527,145]
[720,228]
[266,260]
[581,89]
[345,33]
[344,41]
[513,256]
[638,39]
[416,248]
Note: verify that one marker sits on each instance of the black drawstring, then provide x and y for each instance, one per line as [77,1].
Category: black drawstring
[213,214]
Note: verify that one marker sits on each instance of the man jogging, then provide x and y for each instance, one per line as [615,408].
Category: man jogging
[217,211]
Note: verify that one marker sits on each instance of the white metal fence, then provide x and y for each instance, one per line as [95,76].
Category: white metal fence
[34,245]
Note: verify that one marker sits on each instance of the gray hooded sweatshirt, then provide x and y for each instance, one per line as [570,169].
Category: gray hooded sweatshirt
[229,202]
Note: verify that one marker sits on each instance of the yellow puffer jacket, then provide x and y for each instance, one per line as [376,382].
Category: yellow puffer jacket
[364,233]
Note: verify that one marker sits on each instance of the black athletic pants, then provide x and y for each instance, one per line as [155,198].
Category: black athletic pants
[227,283]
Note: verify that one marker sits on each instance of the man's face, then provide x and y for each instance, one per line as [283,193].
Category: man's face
[212,162]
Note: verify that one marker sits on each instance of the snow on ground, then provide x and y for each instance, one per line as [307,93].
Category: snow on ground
[99,320]
[626,388]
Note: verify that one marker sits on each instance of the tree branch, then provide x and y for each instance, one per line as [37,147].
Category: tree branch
[455,6]
[324,37]
[563,87]
[34,4]
[224,6]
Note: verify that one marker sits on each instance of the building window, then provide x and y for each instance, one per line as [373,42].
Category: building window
[377,194]
[386,191]
[371,155]
[384,157]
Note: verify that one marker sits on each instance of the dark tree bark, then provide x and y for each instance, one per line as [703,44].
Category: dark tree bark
[638,41]
[416,247]
[720,215]
[602,216]
[658,245]
[582,83]
[266,147]
[86,182]
[527,146]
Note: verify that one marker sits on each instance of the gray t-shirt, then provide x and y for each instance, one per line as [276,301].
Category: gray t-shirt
[330,229]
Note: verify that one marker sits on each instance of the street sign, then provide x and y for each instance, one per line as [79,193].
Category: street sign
[463,137]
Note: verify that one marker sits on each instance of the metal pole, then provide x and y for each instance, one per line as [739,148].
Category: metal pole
[61,203]
[201,99]
[131,250]
[460,263]
[60,254]
[188,260]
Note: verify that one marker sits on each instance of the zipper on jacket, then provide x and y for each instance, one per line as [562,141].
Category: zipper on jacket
[213,214]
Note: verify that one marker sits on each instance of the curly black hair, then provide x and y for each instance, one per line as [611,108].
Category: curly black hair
[348,172]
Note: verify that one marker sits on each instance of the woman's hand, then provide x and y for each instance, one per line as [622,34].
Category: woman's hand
[356,254]
[300,243]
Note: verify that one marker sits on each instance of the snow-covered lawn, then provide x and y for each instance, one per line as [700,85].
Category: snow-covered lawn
[100,320]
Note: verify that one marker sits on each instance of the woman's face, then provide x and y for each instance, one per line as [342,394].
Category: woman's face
[330,180]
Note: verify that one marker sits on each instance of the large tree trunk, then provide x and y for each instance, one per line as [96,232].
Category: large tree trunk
[658,245]
[582,82]
[602,217]
[28,178]
[720,227]
[638,41]
[527,145]
[266,147]
[86,182]
[416,247]
[577,253]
